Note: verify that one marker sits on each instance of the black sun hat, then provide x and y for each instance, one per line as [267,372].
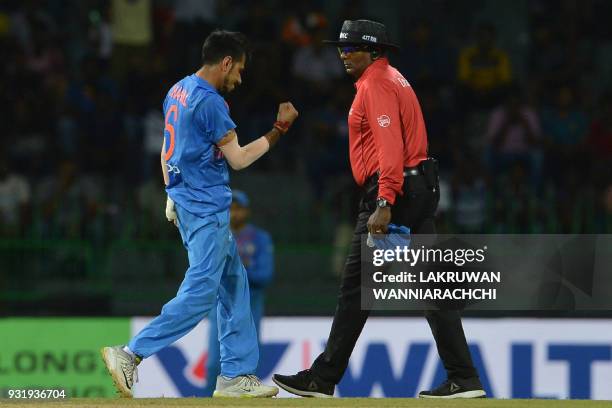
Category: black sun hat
[363,32]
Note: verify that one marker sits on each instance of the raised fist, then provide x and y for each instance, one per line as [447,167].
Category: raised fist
[286,113]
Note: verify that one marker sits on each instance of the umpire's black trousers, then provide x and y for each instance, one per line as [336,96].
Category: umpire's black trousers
[414,209]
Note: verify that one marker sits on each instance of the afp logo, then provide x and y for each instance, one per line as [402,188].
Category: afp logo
[384,121]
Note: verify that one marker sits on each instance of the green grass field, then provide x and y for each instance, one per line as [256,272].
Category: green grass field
[294,402]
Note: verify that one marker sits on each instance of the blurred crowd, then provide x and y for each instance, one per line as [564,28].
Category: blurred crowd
[518,109]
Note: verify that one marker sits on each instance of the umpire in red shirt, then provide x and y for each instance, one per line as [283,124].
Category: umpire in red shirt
[388,154]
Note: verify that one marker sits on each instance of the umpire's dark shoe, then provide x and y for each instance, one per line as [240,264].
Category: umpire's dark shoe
[305,384]
[457,388]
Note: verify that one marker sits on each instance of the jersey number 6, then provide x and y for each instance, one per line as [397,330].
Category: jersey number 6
[170,128]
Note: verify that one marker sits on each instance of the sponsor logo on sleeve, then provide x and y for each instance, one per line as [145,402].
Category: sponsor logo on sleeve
[403,82]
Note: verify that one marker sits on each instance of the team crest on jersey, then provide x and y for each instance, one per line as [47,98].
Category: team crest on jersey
[383,120]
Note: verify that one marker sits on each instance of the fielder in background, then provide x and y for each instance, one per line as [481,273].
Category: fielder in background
[257,254]
[199,142]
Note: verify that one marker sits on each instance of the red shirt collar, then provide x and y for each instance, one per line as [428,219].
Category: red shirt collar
[377,65]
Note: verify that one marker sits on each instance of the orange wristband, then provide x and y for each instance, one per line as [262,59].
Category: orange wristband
[282,127]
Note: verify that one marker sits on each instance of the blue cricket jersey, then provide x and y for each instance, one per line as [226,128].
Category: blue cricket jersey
[257,254]
[196,118]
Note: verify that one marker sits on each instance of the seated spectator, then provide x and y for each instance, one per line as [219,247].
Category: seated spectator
[513,137]
[484,69]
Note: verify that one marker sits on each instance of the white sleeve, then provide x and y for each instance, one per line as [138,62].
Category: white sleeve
[240,157]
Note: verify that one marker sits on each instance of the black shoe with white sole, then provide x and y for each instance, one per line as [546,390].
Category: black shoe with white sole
[457,388]
[305,384]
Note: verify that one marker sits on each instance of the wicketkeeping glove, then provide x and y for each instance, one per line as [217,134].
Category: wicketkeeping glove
[171,212]
[397,235]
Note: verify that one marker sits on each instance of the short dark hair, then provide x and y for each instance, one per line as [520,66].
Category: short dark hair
[220,44]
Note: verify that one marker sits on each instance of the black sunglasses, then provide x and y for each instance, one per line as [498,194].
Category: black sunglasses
[352,48]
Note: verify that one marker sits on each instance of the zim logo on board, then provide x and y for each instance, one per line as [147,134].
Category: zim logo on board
[384,120]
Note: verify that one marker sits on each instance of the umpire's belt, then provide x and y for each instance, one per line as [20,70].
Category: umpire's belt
[408,171]
[372,181]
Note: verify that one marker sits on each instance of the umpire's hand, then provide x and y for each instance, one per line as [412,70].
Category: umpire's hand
[379,220]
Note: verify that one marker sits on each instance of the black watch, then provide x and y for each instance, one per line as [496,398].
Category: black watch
[382,203]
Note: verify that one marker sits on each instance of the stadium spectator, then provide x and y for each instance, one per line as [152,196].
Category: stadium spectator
[132,34]
[484,70]
[513,136]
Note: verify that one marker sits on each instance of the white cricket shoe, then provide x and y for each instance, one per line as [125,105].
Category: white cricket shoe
[243,386]
[122,368]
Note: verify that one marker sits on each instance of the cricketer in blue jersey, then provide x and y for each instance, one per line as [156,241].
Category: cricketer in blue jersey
[199,142]
[257,254]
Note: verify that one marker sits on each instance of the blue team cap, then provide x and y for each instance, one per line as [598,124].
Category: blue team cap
[239,197]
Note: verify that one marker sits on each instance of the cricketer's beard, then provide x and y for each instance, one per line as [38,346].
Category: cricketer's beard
[225,88]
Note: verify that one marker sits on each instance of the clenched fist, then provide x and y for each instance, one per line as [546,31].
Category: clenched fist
[286,113]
